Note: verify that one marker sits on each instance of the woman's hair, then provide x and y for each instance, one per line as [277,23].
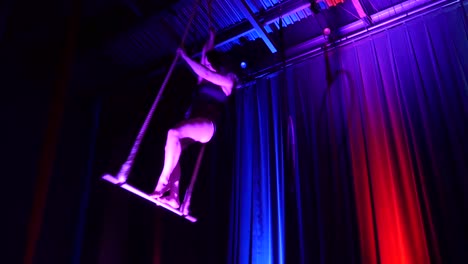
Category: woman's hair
[222,63]
[217,60]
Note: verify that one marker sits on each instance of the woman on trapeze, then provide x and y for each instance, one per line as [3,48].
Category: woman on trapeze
[215,84]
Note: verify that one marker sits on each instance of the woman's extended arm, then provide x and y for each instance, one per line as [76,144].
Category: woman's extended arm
[225,81]
[207,47]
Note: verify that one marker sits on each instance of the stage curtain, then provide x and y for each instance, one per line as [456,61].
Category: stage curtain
[359,154]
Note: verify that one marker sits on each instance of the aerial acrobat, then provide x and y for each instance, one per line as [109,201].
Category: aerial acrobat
[215,85]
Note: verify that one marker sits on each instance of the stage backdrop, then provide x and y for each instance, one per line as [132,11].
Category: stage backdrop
[359,154]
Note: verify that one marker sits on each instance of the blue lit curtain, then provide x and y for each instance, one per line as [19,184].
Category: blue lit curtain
[358,155]
[257,234]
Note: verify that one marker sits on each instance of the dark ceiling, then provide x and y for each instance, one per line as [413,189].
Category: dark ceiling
[141,34]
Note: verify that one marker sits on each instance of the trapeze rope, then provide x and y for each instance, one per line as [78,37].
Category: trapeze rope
[188,194]
[126,167]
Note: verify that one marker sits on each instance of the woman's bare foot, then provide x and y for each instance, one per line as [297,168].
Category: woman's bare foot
[171,201]
[159,190]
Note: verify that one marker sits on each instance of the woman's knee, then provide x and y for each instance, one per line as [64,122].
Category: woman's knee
[173,133]
[172,137]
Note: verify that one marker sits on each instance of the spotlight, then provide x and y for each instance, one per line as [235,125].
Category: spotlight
[243,65]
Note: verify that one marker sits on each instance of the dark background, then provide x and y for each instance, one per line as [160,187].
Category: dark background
[73,114]
[73,100]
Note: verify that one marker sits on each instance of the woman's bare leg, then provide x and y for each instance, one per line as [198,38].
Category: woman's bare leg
[199,129]
[173,198]
[172,153]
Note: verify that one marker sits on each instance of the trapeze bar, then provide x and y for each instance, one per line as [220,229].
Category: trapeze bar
[134,190]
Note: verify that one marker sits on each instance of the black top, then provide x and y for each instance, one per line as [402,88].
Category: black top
[208,102]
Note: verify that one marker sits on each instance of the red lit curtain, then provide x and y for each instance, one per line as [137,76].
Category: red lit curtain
[374,139]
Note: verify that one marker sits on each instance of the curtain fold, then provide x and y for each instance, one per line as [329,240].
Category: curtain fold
[258,232]
[358,155]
